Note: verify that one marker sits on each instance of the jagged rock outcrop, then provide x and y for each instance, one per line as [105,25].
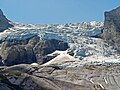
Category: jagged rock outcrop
[29,51]
[4,22]
[17,54]
[111,31]
[42,48]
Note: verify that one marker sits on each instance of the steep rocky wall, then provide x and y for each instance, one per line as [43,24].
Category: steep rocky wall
[111,31]
[4,22]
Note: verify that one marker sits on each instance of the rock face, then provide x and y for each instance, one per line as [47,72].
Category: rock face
[4,22]
[112,27]
[42,48]
[33,50]
[87,77]
[17,54]
[16,80]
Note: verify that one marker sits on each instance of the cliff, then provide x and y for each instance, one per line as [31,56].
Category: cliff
[111,31]
[4,22]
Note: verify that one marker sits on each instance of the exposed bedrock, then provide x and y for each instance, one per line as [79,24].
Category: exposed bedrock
[111,31]
[4,22]
[33,50]
[88,77]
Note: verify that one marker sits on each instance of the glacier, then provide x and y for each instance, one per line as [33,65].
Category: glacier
[83,38]
[52,31]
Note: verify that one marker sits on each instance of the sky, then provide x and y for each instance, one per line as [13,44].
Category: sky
[56,11]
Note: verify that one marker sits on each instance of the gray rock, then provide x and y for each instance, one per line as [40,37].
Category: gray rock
[87,77]
[111,31]
[4,22]
[44,47]
[29,51]
[4,87]
[15,80]
[17,54]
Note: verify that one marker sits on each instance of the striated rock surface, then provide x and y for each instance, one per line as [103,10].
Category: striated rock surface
[87,77]
[4,22]
[112,27]
[15,80]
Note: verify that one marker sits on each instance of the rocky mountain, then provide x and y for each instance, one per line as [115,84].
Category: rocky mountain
[112,28]
[4,22]
[73,56]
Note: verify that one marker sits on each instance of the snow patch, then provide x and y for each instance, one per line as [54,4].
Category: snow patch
[61,58]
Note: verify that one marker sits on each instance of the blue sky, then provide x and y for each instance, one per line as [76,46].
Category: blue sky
[56,11]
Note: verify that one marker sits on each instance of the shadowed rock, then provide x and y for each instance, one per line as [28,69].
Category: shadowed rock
[29,51]
[44,47]
[4,22]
